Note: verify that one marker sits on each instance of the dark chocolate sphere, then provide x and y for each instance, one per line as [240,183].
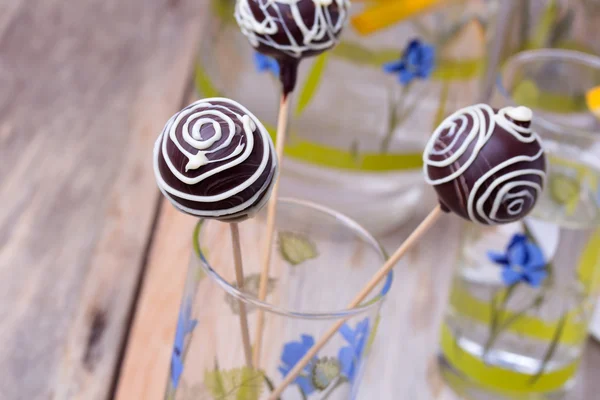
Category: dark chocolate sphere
[214,159]
[486,165]
[292,28]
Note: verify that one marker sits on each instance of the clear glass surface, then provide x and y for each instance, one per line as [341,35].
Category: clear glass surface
[320,260]
[356,132]
[523,294]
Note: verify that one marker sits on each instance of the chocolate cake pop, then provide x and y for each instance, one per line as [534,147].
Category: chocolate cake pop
[486,165]
[214,159]
[289,30]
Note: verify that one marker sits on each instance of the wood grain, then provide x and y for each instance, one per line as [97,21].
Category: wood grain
[85,88]
[146,365]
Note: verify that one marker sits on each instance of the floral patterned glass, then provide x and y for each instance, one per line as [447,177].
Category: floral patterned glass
[320,261]
[523,293]
[363,111]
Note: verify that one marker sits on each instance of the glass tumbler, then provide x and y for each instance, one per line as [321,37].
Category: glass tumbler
[363,111]
[320,260]
[523,294]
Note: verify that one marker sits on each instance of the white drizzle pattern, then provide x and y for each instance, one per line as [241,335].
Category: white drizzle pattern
[320,36]
[514,195]
[206,111]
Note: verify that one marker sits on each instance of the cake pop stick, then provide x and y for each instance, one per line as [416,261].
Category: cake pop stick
[282,29]
[239,278]
[271,215]
[214,159]
[486,166]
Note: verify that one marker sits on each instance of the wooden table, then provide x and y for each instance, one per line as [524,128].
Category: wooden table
[91,261]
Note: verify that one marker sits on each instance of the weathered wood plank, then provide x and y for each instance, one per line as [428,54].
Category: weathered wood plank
[145,368]
[85,88]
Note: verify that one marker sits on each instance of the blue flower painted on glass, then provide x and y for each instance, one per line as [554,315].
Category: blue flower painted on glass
[266,64]
[292,353]
[349,356]
[522,262]
[388,283]
[185,325]
[417,61]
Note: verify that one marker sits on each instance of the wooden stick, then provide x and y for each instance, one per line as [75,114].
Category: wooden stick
[282,122]
[239,277]
[427,223]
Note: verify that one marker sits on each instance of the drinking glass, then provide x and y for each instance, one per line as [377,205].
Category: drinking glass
[358,128]
[320,260]
[523,294]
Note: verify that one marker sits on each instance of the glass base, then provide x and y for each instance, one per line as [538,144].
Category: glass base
[469,389]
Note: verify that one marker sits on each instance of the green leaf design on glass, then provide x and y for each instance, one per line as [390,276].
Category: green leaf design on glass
[564,189]
[497,308]
[355,150]
[251,285]
[360,55]
[324,372]
[373,334]
[545,25]
[296,248]
[224,10]
[501,319]
[458,70]
[234,384]
[551,348]
[567,180]
[589,264]
[527,93]
[312,83]
[400,110]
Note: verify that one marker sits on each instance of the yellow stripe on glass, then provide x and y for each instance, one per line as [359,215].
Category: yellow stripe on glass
[322,155]
[526,325]
[498,379]
[334,157]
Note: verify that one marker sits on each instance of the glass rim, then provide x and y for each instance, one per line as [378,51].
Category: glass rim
[581,57]
[527,56]
[374,300]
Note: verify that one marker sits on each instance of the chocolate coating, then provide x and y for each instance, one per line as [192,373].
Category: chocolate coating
[486,165]
[284,29]
[214,159]
[291,30]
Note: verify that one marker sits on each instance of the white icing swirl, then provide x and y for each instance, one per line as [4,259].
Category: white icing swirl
[321,35]
[513,194]
[191,120]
